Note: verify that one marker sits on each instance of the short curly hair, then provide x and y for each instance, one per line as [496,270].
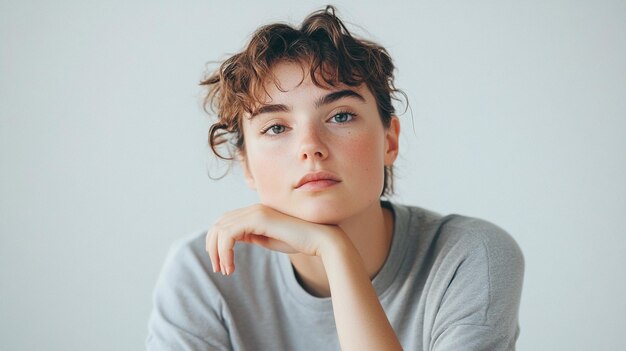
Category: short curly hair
[323,44]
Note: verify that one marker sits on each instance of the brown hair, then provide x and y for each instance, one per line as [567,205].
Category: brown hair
[322,43]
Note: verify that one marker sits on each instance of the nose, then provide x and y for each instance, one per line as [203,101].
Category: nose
[312,145]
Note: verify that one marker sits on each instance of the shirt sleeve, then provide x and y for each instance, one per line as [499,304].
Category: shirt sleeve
[186,306]
[478,309]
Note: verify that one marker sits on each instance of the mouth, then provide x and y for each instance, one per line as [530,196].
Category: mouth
[317,181]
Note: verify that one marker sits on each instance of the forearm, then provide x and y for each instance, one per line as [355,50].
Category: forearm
[360,319]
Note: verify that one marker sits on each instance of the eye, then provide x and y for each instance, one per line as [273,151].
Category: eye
[274,129]
[343,117]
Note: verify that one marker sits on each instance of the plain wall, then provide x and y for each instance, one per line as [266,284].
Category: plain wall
[518,116]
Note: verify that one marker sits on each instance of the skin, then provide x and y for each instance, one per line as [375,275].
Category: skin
[336,233]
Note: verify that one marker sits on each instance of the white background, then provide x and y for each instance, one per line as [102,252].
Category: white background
[518,117]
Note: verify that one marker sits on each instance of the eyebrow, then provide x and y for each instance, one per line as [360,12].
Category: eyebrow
[324,100]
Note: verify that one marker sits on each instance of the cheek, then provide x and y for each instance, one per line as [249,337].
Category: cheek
[364,153]
[263,168]
[269,168]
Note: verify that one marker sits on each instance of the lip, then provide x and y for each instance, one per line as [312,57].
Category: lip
[317,180]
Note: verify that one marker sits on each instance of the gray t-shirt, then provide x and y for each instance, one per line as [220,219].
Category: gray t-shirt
[449,283]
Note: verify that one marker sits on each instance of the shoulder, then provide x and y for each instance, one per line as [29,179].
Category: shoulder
[187,258]
[453,230]
[451,240]
[185,278]
[187,273]
[186,265]
[475,257]
[187,253]
[467,235]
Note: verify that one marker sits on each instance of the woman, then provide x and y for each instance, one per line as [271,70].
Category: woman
[327,264]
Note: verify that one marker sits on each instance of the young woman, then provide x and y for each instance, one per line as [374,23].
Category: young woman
[326,264]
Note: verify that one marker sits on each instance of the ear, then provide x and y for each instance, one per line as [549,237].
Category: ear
[243,162]
[392,136]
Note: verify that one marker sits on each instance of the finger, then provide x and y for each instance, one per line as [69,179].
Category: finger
[211,248]
[225,244]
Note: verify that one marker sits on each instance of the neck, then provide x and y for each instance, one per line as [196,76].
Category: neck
[371,233]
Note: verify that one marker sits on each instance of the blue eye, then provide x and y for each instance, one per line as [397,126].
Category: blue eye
[343,117]
[274,129]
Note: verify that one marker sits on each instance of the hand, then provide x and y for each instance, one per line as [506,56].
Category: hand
[262,225]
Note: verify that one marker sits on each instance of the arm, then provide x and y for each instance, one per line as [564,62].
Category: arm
[360,319]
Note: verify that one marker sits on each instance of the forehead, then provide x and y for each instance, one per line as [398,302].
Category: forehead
[287,76]
[292,80]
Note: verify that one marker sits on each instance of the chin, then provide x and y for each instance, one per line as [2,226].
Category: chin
[324,210]
[321,218]
[322,213]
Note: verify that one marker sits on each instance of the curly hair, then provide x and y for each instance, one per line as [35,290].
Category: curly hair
[323,44]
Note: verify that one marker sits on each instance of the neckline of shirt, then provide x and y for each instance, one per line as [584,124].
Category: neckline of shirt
[381,282]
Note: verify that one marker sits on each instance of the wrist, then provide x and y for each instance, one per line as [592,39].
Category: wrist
[336,242]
